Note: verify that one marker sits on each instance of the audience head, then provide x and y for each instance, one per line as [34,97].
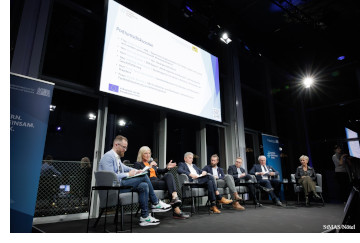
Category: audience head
[120,145]
[85,162]
[48,159]
[188,157]
[262,160]
[304,160]
[144,154]
[238,162]
[214,160]
[337,149]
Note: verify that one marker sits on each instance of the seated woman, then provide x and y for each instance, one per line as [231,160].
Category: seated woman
[167,182]
[305,176]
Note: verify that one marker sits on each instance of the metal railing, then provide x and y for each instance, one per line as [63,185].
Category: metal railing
[64,188]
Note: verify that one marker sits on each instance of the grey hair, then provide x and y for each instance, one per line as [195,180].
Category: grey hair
[187,154]
[261,157]
[304,157]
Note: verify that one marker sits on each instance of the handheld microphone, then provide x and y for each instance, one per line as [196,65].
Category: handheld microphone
[151,160]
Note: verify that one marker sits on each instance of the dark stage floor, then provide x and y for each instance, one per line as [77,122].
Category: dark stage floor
[267,219]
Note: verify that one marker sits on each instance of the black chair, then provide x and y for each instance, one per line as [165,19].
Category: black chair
[110,198]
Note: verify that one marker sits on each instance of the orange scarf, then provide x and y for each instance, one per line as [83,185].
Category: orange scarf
[152,171]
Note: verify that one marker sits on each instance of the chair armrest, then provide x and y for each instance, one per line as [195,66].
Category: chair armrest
[319,180]
[253,178]
[182,179]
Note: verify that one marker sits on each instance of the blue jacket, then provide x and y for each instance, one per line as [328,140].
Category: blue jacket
[232,170]
[209,170]
[109,163]
[184,169]
[257,168]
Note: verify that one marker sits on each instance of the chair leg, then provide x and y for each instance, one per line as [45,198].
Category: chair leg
[298,198]
[322,199]
[100,214]
[137,211]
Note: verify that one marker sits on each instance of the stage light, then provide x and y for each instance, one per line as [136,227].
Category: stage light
[52,107]
[58,129]
[308,81]
[92,116]
[122,123]
[340,58]
[225,38]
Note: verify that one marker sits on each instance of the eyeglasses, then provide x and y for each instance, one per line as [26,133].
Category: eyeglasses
[124,147]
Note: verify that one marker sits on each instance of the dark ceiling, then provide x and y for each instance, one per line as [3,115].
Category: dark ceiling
[294,36]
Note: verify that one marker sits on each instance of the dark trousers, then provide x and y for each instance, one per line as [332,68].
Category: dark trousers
[251,187]
[272,183]
[167,182]
[210,182]
[343,179]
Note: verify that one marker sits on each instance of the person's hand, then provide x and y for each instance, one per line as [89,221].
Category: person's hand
[216,177]
[272,173]
[303,176]
[171,165]
[204,173]
[153,163]
[242,175]
[194,176]
[132,172]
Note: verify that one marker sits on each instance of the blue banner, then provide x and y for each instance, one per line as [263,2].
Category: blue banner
[272,152]
[30,101]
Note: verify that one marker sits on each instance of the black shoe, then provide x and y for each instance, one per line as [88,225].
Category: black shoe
[316,196]
[175,202]
[258,204]
[181,215]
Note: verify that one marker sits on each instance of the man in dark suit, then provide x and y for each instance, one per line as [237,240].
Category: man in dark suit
[263,175]
[201,177]
[237,172]
[223,180]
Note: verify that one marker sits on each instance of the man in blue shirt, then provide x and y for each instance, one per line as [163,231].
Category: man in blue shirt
[111,162]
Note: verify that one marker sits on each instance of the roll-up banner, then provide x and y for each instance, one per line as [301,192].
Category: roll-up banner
[30,101]
[272,152]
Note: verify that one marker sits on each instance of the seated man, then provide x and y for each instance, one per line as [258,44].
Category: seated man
[237,172]
[263,175]
[223,180]
[201,177]
[111,162]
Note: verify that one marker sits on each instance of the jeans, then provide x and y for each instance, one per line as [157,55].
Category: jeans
[142,185]
[272,183]
[211,186]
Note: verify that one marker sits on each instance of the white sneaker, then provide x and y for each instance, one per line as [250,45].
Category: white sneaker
[149,221]
[160,207]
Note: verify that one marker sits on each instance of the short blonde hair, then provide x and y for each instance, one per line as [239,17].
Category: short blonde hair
[142,150]
[303,157]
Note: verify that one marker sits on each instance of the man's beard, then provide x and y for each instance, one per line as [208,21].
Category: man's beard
[122,154]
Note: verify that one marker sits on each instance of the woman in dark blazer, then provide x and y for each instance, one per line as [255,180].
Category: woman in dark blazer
[306,176]
[167,182]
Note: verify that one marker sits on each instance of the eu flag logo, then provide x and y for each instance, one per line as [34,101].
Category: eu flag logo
[114,88]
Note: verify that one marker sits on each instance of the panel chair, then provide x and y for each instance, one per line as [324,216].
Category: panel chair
[298,188]
[111,198]
[189,191]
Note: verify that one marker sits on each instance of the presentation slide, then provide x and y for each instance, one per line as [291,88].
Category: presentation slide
[354,146]
[145,62]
